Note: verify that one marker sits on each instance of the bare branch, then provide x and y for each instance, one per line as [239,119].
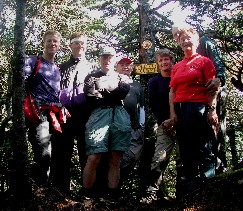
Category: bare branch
[162,4]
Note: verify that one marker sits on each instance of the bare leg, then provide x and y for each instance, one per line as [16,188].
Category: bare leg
[114,169]
[89,174]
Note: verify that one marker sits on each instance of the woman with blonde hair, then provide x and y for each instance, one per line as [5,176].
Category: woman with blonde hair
[193,110]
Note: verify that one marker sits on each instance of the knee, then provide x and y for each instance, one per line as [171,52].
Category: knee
[114,160]
[93,160]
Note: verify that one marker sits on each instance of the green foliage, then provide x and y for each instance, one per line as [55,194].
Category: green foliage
[234,102]
[225,27]
[118,23]
[6,158]
[76,172]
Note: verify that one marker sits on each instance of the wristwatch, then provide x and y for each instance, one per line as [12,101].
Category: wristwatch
[212,107]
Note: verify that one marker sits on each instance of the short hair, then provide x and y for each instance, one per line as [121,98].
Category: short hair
[165,52]
[181,28]
[188,31]
[77,34]
[51,32]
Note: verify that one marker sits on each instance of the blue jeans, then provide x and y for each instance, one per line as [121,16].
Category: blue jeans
[195,139]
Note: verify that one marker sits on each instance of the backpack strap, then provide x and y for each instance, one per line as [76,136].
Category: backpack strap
[36,67]
[33,73]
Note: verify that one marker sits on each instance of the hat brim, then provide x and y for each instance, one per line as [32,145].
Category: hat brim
[127,60]
[107,53]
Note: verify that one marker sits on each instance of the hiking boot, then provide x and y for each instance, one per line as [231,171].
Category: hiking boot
[165,202]
[87,194]
[150,196]
[113,194]
[148,199]
[189,187]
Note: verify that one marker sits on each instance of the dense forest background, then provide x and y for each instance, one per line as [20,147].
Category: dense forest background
[125,25]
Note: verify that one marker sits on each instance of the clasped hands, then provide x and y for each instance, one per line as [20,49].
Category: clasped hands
[168,126]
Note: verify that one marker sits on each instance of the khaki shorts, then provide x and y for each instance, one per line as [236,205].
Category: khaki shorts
[108,129]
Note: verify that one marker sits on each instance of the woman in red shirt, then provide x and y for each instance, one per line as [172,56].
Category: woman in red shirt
[193,111]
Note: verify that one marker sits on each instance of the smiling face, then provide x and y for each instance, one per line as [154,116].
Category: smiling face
[51,44]
[106,62]
[78,46]
[188,40]
[124,67]
[164,60]
[164,63]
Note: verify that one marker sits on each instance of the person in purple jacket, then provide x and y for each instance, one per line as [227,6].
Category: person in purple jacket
[45,86]
[73,73]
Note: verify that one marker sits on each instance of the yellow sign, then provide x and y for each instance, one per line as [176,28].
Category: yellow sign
[150,68]
[147,44]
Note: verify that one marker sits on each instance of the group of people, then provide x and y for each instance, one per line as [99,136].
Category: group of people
[183,99]
[103,110]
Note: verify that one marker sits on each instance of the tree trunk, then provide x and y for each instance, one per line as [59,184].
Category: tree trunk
[146,56]
[231,135]
[20,184]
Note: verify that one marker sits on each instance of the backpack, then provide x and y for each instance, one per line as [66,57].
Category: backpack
[31,111]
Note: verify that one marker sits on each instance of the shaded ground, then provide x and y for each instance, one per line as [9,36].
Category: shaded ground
[223,192]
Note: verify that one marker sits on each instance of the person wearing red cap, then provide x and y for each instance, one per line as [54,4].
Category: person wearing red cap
[134,105]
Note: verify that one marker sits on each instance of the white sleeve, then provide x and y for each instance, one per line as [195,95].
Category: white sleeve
[142,116]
